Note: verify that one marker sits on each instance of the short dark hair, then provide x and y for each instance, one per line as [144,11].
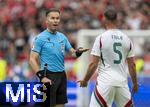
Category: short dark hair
[52,10]
[110,14]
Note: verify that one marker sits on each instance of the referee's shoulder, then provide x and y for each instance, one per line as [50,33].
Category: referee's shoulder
[40,36]
[61,34]
[43,33]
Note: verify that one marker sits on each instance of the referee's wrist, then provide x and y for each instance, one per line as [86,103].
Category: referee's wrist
[78,53]
[40,75]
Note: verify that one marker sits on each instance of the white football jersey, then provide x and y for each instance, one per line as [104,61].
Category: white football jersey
[113,47]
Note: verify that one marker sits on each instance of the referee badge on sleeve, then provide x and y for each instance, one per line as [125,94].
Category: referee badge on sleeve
[62,48]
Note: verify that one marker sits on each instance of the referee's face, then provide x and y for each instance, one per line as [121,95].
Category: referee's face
[52,20]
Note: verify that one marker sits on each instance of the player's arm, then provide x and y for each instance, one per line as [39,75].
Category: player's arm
[34,61]
[132,67]
[132,71]
[90,71]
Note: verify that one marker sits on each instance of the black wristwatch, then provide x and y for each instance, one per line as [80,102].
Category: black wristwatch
[42,73]
[78,53]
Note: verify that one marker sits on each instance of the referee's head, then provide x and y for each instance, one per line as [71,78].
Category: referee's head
[110,14]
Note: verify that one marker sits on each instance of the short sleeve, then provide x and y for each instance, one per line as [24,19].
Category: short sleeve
[131,51]
[96,47]
[67,45]
[37,45]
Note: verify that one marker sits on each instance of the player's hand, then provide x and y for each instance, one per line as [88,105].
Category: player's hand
[135,88]
[82,83]
[46,80]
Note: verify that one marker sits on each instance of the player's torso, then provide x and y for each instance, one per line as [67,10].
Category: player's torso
[114,49]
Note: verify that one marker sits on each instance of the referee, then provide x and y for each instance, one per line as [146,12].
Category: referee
[48,53]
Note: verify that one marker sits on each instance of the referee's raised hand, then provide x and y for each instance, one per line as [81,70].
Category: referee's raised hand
[81,50]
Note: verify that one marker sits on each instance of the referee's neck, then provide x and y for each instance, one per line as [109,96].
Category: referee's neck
[50,31]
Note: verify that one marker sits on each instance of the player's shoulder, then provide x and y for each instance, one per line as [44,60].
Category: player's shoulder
[101,34]
[98,38]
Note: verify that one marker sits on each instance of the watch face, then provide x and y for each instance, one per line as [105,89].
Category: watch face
[40,75]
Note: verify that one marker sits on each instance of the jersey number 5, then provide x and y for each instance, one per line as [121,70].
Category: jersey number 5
[117,51]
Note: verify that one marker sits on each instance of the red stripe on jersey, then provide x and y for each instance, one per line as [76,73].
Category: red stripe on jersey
[100,98]
[100,43]
[130,46]
[129,104]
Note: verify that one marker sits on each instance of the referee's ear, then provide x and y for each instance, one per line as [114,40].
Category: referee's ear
[46,20]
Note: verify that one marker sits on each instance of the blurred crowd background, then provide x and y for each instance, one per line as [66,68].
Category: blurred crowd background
[22,20]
